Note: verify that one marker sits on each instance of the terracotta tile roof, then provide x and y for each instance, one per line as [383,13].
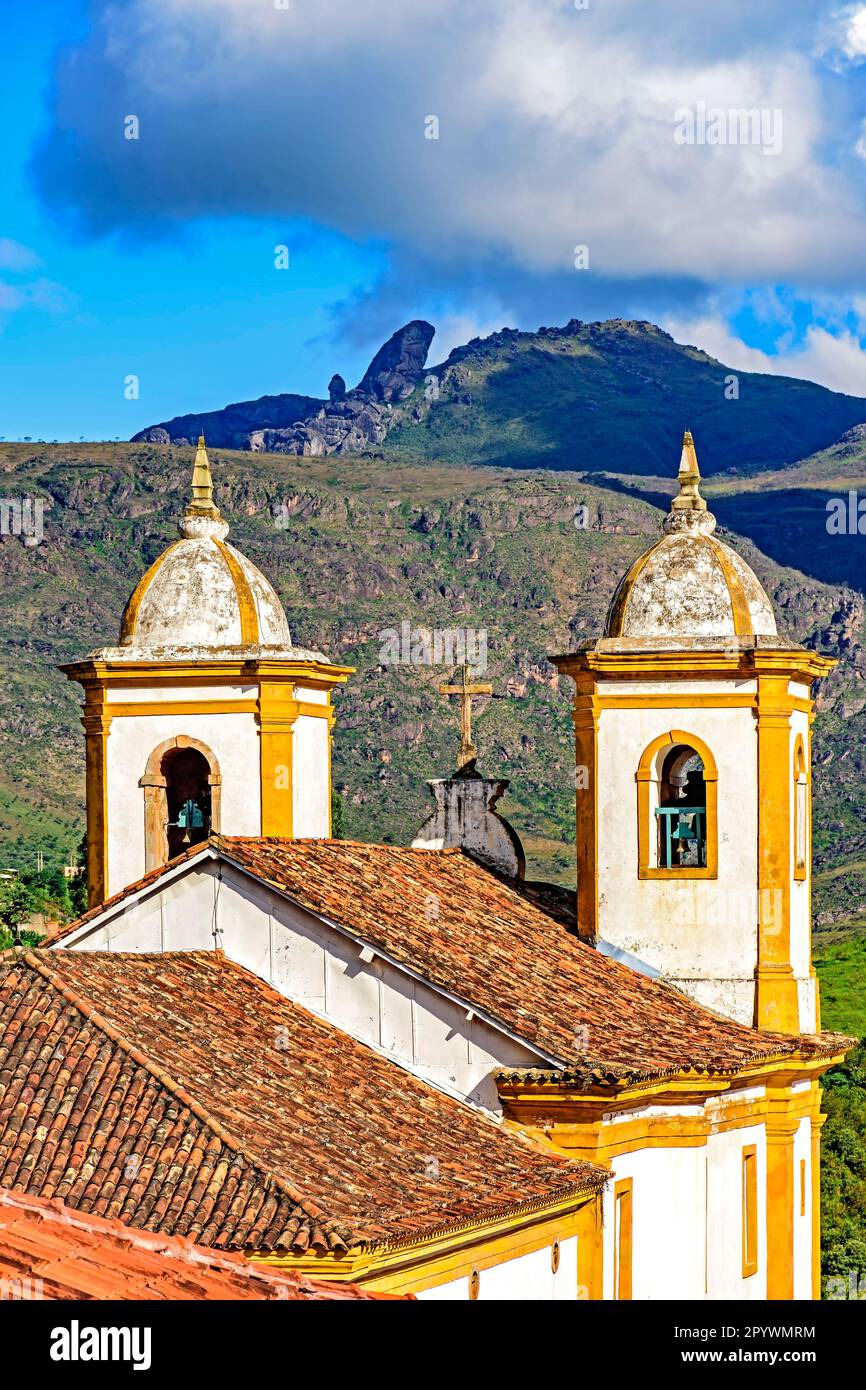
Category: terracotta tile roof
[181,1094]
[63,1253]
[460,927]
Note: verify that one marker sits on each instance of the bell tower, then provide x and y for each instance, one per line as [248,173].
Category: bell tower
[692,723]
[204,718]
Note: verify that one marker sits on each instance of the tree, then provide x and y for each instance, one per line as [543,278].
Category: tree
[843,1168]
[16,906]
[78,887]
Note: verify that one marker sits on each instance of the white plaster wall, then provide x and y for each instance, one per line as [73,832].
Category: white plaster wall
[311,786]
[234,740]
[318,966]
[528,1278]
[669,1246]
[693,930]
[725,1214]
[164,695]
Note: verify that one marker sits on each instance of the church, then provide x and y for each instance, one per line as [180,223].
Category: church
[409,1070]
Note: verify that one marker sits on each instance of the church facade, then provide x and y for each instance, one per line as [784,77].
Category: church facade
[645,1078]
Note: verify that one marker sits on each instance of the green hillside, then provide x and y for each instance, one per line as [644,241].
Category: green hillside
[357,549]
[614,397]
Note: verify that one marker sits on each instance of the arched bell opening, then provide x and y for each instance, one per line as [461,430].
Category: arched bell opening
[182,788]
[677,805]
[188,798]
[682,810]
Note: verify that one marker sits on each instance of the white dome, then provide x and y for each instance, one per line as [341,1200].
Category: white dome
[690,584]
[202,593]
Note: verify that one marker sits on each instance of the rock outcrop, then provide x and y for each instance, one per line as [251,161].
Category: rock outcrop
[305,425]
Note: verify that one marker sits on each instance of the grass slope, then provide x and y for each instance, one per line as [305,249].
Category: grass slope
[357,547]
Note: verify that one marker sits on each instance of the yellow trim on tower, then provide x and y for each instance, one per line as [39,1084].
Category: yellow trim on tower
[277,712]
[737,594]
[585,718]
[624,592]
[250,635]
[97,724]
[777,1006]
[130,612]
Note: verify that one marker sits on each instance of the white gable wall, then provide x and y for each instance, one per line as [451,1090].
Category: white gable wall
[317,966]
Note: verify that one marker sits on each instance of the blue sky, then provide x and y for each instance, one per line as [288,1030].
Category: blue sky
[307,124]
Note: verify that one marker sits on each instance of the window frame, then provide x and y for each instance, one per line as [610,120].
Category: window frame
[623,1239]
[750,1210]
[801,827]
[647,778]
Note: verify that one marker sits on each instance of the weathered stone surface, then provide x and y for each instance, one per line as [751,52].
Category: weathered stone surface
[337,388]
[394,371]
[465,819]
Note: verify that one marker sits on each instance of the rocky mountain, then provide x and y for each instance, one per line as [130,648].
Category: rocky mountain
[347,422]
[608,397]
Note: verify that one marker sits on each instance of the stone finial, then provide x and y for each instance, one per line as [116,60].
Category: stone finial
[465,819]
[689,509]
[201,518]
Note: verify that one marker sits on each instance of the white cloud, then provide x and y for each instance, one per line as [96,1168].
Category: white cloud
[849,33]
[556,130]
[21,289]
[15,257]
[453,330]
[836,360]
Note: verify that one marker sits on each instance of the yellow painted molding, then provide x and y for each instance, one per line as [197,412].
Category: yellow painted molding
[677,665]
[130,613]
[780,1206]
[750,1210]
[316,675]
[777,1006]
[179,708]
[623,1245]
[277,713]
[590,1252]
[818,1121]
[422,1264]
[585,719]
[97,724]
[250,635]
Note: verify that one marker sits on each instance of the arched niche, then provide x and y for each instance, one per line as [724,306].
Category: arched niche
[673,767]
[179,771]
